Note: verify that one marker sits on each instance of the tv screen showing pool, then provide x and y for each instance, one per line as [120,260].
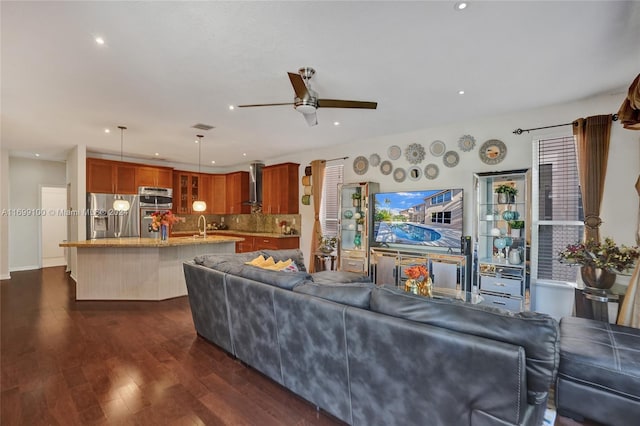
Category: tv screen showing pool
[430,218]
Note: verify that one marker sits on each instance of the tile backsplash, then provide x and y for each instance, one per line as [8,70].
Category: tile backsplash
[255,222]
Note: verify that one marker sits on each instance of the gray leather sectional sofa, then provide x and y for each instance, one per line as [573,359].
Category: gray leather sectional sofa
[374,355]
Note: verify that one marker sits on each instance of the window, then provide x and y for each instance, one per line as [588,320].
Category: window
[441,217]
[333,176]
[441,198]
[557,209]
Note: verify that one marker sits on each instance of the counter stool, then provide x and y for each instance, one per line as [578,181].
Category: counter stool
[599,372]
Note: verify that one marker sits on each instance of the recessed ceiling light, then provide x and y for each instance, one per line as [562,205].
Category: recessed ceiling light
[460,92]
[461,5]
[107,131]
[99,40]
[156,154]
[196,141]
[336,123]
[231,107]
[37,155]
[213,161]
[244,154]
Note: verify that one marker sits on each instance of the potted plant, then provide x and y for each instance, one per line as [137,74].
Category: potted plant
[516,228]
[356,196]
[327,244]
[506,193]
[599,262]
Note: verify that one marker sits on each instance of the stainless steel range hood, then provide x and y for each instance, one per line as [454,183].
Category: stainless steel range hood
[255,183]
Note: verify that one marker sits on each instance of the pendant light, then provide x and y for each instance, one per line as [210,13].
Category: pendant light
[199,205]
[119,204]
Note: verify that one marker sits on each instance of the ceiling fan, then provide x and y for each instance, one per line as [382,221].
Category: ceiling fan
[306,100]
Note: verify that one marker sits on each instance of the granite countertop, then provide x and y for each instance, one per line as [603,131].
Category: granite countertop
[173,241]
[234,232]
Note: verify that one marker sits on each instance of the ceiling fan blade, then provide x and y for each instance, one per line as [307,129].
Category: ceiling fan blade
[298,85]
[337,103]
[312,119]
[260,105]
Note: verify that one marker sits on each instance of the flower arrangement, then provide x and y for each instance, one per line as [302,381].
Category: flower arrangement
[162,218]
[506,189]
[606,255]
[327,243]
[416,271]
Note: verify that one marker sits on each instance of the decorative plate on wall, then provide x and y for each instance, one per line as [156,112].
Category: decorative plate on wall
[360,165]
[451,159]
[374,160]
[437,148]
[348,214]
[431,171]
[415,173]
[414,153]
[466,143]
[493,151]
[394,152]
[399,174]
[386,167]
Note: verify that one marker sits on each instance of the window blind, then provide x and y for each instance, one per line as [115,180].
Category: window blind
[333,176]
[560,214]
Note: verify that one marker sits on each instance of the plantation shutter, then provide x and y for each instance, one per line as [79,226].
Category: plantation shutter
[333,176]
[559,205]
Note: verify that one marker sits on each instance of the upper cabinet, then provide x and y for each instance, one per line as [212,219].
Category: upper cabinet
[159,177]
[217,203]
[280,189]
[111,177]
[237,190]
[186,190]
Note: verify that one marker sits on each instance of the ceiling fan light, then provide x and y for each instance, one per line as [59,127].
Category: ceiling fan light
[306,109]
[199,206]
[121,205]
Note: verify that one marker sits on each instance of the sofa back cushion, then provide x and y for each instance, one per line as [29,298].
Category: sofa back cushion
[537,333]
[283,255]
[352,294]
[214,259]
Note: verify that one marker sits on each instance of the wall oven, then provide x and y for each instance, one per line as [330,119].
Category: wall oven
[152,200]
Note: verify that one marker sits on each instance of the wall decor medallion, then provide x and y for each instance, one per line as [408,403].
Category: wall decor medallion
[399,174]
[466,143]
[493,151]
[348,214]
[386,167]
[394,152]
[360,165]
[431,171]
[437,148]
[415,173]
[374,160]
[451,159]
[414,153]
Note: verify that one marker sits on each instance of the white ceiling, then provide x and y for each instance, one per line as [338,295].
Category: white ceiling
[169,65]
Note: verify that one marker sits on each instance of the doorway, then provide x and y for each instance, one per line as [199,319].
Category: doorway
[53,225]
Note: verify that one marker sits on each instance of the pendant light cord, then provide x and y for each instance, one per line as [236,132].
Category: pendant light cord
[199,151]
[122,129]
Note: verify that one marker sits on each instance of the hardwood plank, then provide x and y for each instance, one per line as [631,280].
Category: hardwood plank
[68,362]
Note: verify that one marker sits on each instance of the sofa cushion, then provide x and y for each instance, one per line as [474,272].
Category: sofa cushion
[334,277]
[352,294]
[537,333]
[286,280]
[293,254]
[211,260]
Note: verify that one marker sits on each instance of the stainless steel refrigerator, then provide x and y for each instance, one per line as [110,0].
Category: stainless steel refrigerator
[105,222]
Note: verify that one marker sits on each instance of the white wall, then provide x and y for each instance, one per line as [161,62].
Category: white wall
[620,202]
[25,177]
[77,183]
[4,219]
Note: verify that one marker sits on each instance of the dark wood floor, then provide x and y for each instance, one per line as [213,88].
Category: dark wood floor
[66,362]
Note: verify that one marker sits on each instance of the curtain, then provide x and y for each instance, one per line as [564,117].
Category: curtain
[592,141]
[629,113]
[317,180]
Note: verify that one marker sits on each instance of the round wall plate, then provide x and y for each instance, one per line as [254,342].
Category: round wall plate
[466,143]
[431,171]
[451,159]
[414,153]
[386,167]
[360,165]
[493,151]
[394,152]
[437,148]
[374,160]
[399,174]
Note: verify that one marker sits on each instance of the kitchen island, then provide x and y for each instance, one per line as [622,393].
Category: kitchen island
[139,268]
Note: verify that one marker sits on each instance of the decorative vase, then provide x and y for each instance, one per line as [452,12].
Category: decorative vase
[503,198]
[357,241]
[514,257]
[425,287]
[516,233]
[325,249]
[597,278]
[411,286]
[164,232]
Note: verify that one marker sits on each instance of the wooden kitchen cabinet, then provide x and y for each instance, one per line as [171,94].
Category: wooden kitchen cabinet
[280,189]
[111,177]
[237,190]
[256,242]
[186,189]
[218,194]
[159,177]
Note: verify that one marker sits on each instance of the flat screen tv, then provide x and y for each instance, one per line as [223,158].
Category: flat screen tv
[430,218]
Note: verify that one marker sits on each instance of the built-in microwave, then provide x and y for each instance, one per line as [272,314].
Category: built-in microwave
[159,198]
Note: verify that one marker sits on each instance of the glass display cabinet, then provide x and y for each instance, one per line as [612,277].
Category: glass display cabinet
[502,235]
[354,226]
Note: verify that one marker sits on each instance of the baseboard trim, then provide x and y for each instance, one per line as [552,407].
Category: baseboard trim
[5,277]
[24,268]
[54,261]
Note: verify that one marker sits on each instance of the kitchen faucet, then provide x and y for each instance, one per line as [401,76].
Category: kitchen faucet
[204,232]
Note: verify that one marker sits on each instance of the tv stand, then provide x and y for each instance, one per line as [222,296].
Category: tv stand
[448,271]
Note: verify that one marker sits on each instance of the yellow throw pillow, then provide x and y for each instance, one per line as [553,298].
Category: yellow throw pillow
[278,266]
[268,263]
